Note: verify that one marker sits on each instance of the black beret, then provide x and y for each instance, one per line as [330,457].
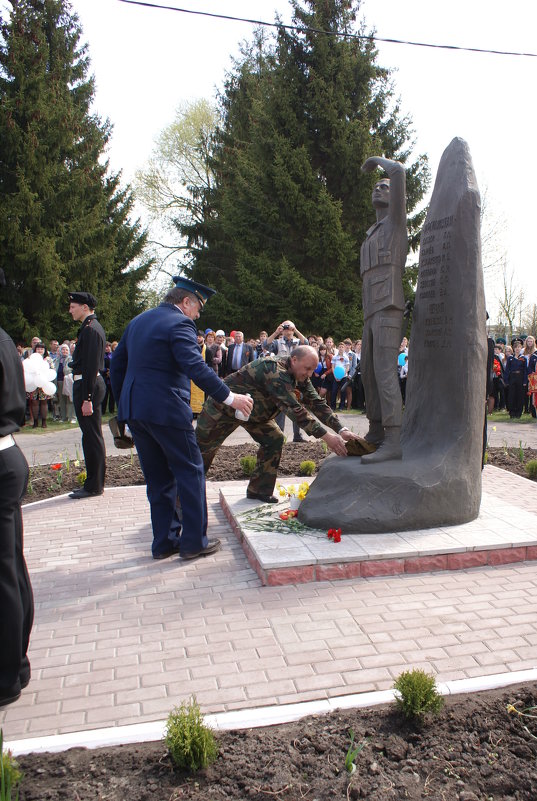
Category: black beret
[84,298]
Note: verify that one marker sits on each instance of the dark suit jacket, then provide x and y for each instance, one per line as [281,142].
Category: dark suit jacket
[248,355]
[153,364]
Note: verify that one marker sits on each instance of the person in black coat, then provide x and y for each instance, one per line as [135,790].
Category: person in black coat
[516,373]
[151,370]
[89,391]
[16,597]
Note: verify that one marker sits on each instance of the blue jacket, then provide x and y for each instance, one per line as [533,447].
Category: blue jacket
[152,367]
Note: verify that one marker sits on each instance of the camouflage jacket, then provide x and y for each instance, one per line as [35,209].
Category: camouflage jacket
[274,389]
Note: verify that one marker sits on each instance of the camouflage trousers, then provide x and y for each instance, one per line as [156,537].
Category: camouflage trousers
[216,422]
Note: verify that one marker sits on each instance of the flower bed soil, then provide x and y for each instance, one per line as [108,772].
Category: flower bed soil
[474,750]
[125,470]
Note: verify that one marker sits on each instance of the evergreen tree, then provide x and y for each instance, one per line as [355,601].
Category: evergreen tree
[64,220]
[289,207]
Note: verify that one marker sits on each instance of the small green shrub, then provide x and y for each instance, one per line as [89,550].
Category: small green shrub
[81,477]
[531,469]
[417,694]
[307,468]
[191,743]
[248,464]
[10,775]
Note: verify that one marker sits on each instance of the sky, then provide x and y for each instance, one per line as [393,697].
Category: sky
[148,61]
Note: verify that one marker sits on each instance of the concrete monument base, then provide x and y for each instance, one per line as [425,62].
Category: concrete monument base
[504,532]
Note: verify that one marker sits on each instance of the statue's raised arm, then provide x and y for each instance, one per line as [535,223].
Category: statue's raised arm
[396,203]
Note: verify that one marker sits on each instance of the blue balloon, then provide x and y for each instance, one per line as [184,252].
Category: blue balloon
[339,372]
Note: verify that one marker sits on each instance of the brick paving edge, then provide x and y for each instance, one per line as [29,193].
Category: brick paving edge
[255,717]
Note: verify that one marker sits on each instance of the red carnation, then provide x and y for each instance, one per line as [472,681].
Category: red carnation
[57,466]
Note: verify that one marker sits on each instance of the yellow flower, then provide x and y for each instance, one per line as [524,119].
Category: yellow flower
[76,463]
[291,490]
[494,428]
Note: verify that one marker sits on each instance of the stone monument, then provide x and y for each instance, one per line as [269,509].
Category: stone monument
[438,480]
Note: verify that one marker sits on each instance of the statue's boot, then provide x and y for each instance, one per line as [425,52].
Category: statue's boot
[389,449]
[375,435]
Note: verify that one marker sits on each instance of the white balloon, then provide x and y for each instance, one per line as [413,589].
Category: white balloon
[30,383]
[48,388]
[28,366]
[50,374]
[35,357]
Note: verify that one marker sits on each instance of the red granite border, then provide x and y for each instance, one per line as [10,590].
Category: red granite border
[369,568]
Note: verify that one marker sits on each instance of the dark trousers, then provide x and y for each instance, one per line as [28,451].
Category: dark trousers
[173,470]
[92,436]
[499,393]
[338,386]
[215,424]
[108,400]
[516,394]
[358,396]
[16,598]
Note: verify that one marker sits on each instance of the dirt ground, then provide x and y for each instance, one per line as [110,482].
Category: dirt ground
[474,750]
[46,481]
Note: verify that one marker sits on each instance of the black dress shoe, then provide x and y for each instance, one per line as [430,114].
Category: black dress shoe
[212,547]
[82,493]
[166,554]
[255,496]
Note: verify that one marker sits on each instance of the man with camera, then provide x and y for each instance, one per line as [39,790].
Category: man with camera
[283,342]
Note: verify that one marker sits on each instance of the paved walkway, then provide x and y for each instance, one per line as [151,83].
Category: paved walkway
[120,638]
[57,445]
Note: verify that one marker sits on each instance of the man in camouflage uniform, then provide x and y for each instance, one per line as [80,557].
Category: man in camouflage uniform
[275,385]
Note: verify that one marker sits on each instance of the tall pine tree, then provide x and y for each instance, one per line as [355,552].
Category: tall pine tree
[64,219]
[289,206]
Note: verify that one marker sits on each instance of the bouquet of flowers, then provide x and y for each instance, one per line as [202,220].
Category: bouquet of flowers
[295,494]
[293,491]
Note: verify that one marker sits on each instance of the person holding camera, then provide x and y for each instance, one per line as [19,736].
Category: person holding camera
[283,342]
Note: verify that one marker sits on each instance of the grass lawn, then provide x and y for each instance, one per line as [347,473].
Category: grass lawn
[54,425]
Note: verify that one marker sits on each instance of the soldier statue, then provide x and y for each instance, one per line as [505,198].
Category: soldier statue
[382,262]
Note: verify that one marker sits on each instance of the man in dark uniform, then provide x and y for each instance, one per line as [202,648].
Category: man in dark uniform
[276,385]
[16,598]
[382,262]
[89,390]
[157,357]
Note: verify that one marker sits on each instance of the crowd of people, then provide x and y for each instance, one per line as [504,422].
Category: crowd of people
[337,377]
[515,376]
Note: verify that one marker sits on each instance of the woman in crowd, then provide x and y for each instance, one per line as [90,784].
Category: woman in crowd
[339,360]
[326,374]
[530,355]
[38,399]
[67,411]
[214,349]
